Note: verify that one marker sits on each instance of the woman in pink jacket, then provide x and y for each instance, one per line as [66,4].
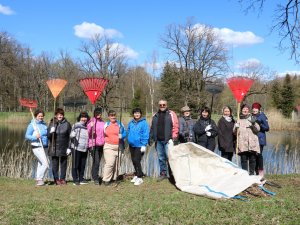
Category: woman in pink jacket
[96,142]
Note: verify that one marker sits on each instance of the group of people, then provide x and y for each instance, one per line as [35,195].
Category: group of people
[93,135]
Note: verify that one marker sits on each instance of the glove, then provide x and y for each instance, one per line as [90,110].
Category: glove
[120,136]
[237,125]
[69,151]
[52,130]
[207,128]
[170,142]
[252,119]
[143,149]
[91,124]
[208,134]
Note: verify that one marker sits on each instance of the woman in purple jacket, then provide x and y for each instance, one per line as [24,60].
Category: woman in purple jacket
[96,142]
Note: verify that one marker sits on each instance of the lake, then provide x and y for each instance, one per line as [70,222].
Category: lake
[281,155]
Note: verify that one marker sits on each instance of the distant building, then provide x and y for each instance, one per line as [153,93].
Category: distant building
[296,113]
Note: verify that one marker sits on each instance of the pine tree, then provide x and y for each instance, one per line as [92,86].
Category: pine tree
[139,100]
[276,94]
[287,96]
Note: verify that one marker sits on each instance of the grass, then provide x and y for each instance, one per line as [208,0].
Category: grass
[151,203]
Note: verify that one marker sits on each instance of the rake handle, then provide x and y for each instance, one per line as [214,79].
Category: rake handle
[238,130]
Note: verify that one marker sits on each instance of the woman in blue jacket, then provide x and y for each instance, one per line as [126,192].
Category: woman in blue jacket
[36,133]
[262,120]
[138,136]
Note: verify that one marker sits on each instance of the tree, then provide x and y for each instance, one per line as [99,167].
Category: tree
[276,94]
[199,55]
[139,100]
[287,96]
[286,23]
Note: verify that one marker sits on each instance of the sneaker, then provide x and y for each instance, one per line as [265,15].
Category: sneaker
[76,183]
[57,182]
[134,179]
[107,183]
[84,182]
[138,181]
[40,183]
[63,182]
[161,178]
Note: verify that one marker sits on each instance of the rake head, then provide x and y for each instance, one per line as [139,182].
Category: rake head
[56,86]
[93,87]
[28,103]
[239,86]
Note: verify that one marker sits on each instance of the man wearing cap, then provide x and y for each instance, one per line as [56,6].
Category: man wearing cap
[186,125]
[164,130]
[262,120]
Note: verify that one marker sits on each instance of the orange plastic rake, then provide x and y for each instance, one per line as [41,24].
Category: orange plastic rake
[93,87]
[239,86]
[56,86]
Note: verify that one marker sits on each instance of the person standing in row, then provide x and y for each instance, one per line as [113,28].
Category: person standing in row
[114,136]
[206,130]
[186,126]
[138,137]
[262,120]
[247,129]
[226,137]
[59,130]
[164,129]
[36,133]
[96,142]
[79,144]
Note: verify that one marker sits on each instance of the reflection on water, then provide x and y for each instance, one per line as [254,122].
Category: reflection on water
[281,155]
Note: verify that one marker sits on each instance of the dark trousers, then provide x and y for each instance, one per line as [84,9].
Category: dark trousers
[59,162]
[78,165]
[136,157]
[251,157]
[260,160]
[97,153]
[227,155]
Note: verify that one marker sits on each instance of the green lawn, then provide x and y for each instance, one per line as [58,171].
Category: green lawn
[151,203]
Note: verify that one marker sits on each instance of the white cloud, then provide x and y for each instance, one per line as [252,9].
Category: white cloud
[89,30]
[292,73]
[6,10]
[249,63]
[237,38]
[127,51]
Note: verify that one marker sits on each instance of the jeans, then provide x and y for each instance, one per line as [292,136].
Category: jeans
[43,164]
[62,163]
[162,152]
[97,153]
[251,157]
[260,160]
[78,165]
[136,157]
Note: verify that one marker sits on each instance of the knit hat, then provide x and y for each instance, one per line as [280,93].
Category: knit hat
[97,111]
[256,105]
[245,106]
[185,109]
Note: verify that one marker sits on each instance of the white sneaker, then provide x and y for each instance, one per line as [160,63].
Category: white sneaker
[138,181]
[134,179]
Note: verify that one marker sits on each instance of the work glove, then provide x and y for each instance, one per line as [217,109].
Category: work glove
[208,134]
[252,119]
[120,136]
[69,151]
[52,130]
[207,128]
[236,125]
[143,149]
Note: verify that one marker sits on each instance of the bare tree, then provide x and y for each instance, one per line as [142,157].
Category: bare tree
[199,54]
[104,59]
[286,22]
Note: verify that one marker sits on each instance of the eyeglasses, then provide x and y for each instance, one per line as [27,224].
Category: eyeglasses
[162,105]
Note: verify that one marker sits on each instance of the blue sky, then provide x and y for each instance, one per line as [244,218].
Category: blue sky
[51,26]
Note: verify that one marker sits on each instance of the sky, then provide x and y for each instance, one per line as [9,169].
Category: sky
[137,25]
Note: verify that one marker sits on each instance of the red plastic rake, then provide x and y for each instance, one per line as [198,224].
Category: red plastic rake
[239,87]
[93,87]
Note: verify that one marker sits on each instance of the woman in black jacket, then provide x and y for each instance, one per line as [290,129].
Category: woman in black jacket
[59,135]
[226,137]
[206,130]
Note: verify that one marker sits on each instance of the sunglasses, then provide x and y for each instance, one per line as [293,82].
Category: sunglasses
[162,105]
